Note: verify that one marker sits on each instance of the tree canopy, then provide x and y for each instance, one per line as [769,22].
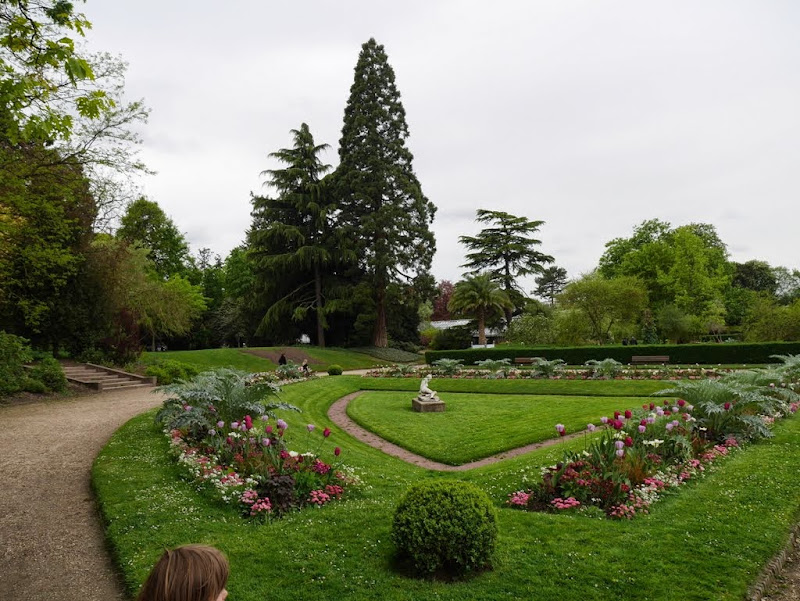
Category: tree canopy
[479,296]
[506,250]
[383,209]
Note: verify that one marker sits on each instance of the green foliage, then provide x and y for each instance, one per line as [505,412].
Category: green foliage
[766,321]
[289,371]
[14,353]
[547,369]
[500,367]
[169,371]
[481,297]
[457,337]
[445,528]
[383,209]
[732,353]
[606,303]
[33,385]
[551,283]
[49,372]
[221,394]
[530,329]
[606,368]
[506,250]
[334,370]
[145,223]
[294,244]
[448,367]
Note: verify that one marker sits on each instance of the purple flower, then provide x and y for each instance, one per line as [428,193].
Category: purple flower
[310,427]
[220,424]
[264,418]
[620,452]
[669,426]
[650,420]
[266,442]
[234,425]
[659,412]
[604,419]
[282,424]
[619,444]
[675,409]
[591,427]
[642,429]
[212,432]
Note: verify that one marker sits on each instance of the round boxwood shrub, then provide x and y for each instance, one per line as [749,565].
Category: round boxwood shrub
[334,370]
[445,528]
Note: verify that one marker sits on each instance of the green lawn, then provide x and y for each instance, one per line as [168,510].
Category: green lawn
[239,359]
[707,543]
[478,425]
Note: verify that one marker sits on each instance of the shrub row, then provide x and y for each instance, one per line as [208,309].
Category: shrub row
[46,376]
[734,353]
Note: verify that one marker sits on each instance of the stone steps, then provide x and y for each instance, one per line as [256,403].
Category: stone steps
[100,377]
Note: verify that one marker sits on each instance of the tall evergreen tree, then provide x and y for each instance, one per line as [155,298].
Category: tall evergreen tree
[382,204]
[551,283]
[293,236]
[506,250]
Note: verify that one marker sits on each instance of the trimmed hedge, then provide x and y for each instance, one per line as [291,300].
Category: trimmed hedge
[728,353]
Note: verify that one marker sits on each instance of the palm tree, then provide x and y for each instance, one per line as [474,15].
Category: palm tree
[480,296]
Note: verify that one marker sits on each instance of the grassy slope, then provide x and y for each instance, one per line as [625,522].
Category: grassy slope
[227,357]
[709,542]
[478,425]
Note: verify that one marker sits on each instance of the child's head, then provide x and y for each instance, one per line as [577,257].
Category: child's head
[189,573]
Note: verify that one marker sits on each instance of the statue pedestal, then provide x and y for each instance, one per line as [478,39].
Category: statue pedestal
[428,404]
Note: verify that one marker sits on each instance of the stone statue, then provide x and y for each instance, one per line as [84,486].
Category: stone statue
[424,391]
[426,400]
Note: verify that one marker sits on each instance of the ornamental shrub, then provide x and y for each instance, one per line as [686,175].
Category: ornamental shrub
[14,353]
[445,528]
[458,337]
[334,370]
[169,371]
[33,385]
[50,373]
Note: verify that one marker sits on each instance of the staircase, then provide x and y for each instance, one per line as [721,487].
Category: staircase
[105,378]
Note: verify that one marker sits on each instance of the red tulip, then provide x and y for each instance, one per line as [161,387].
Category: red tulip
[337,451]
[681,402]
[628,441]
[628,414]
[727,406]
[326,432]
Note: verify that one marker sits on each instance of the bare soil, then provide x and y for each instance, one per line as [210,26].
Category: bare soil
[52,545]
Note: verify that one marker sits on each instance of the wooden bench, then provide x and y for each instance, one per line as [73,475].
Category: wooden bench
[650,359]
[523,361]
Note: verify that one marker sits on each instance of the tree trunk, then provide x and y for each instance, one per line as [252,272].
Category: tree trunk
[379,337]
[318,300]
[153,342]
[481,328]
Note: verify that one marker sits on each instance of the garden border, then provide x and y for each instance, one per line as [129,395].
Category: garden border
[775,567]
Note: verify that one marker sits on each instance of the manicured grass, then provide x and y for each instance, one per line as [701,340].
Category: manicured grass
[478,425]
[211,358]
[239,359]
[708,542]
[626,388]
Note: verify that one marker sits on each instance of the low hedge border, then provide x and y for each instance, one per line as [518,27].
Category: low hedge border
[727,353]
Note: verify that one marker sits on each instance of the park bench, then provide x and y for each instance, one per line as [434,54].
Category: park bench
[650,359]
[523,361]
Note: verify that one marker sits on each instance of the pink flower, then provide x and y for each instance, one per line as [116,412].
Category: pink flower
[620,452]
[560,429]
[310,427]
[248,422]
[337,451]
[268,429]
[326,432]
[628,414]
[642,429]
[727,406]
[604,419]
[591,427]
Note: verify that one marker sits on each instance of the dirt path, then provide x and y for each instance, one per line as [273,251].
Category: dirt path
[51,537]
[338,414]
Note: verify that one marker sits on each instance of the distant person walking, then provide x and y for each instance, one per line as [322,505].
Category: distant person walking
[306,371]
[282,360]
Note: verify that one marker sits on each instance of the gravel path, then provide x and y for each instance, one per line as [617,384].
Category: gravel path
[51,538]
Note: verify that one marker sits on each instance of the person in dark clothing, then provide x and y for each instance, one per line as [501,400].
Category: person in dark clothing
[282,360]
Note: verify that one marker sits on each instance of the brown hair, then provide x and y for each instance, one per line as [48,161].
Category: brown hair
[188,573]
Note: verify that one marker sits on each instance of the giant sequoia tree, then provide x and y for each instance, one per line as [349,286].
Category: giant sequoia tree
[382,205]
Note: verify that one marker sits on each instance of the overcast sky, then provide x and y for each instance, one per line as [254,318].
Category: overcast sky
[592,116]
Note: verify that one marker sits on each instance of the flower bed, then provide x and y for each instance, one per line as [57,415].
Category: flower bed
[249,464]
[643,454]
[226,435]
[625,373]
